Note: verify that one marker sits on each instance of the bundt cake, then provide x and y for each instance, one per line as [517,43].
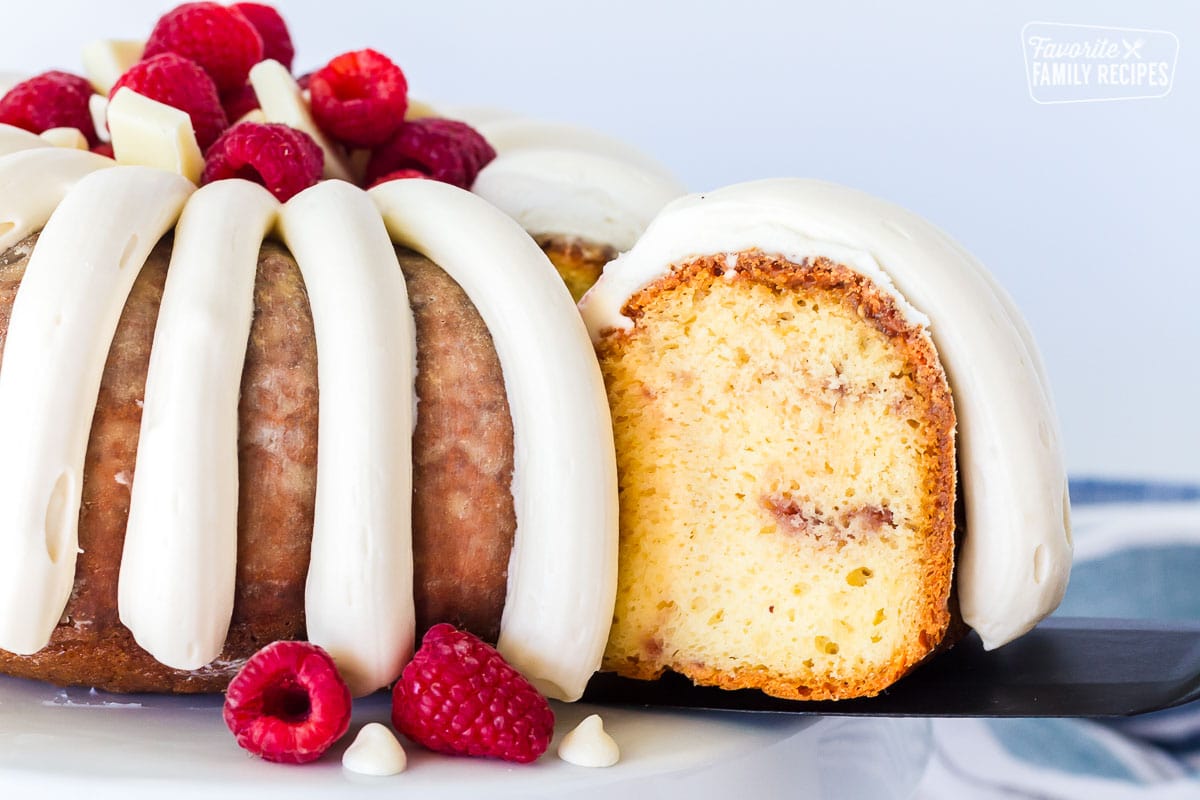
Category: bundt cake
[309,408]
[304,445]
[785,423]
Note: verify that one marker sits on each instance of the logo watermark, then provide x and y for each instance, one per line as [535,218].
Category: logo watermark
[1089,63]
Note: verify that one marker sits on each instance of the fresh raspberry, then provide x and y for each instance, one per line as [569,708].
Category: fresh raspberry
[50,100]
[104,149]
[445,149]
[283,159]
[179,83]
[239,102]
[359,98]
[223,42]
[459,696]
[277,42]
[288,703]
[399,175]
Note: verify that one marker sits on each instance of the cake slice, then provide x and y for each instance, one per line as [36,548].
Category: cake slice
[786,445]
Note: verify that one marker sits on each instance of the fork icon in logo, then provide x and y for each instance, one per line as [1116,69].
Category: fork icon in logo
[1133,50]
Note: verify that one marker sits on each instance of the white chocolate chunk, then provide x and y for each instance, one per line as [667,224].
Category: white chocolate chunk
[359,596]
[589,745]
[282,101]
[375,752]
[179,565]
[70,138]
[562,572]
[106,60]
[62,326]
[153,134]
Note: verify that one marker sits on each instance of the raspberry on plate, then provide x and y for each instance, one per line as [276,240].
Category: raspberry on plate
[459,696]
[288,703]
[445,149]
[359,98]
[283,159]
[276,41]
[51,100]
[222,41]
[180,83]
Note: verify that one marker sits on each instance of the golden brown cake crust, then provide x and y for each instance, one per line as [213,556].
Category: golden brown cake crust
[860,296]
[277,451]
[463,514]
[579,262]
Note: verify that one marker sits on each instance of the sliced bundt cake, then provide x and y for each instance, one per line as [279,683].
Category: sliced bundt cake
[786,444]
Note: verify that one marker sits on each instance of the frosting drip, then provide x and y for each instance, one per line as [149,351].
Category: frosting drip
[32,184]
[179,564]
[65,314]
[576,192]
[563,569]
[359,596]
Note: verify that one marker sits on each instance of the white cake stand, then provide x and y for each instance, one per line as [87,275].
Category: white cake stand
[86,744]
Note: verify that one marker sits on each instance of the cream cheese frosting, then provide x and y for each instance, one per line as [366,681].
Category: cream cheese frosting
[576,193]
[359,595]
[65,314]
[563,568]
[13,139]
[179,565]
[34,181]
[1016,555]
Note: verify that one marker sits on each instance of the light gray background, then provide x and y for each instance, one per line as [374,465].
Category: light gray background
[1087,213]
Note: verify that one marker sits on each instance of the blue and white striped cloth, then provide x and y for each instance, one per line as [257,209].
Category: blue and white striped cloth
[1137,556]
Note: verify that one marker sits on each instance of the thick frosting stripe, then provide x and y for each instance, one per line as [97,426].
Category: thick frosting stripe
[14,139]
[563,569]
[32,184]
[577,193]
[1016,554]
[359,597]
[179,564]
[66,312]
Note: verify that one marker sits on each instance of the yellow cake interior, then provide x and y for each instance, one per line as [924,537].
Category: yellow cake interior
[785,453]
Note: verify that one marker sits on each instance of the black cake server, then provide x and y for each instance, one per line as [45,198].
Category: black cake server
[1065,667]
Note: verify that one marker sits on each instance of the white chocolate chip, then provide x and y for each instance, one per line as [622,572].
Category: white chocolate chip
[589,745]
[375,751]
[153,134]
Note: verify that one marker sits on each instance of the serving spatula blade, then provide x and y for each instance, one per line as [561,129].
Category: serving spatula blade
[1065,667]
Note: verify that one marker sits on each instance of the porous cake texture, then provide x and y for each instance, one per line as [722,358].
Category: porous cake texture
[785,450]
